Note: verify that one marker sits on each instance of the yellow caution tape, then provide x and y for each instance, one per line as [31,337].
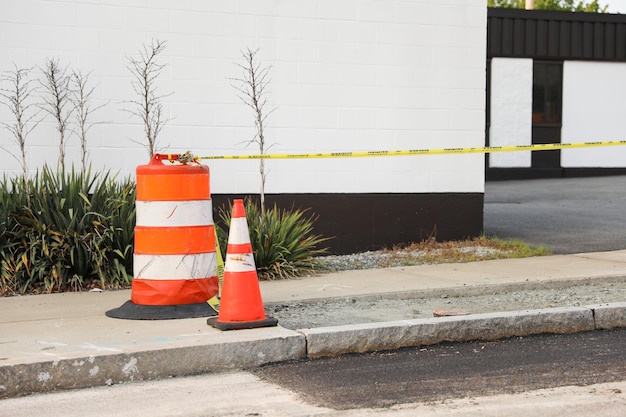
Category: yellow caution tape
[409,152]
[214,301]
[220,263]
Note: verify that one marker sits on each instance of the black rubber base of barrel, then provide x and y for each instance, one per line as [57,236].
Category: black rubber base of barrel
[132,311]
[240,325]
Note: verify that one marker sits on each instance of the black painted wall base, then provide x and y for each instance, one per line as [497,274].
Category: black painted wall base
[506,174]
[361,222]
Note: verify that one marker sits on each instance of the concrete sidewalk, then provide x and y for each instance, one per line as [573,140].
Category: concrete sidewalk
[64,341]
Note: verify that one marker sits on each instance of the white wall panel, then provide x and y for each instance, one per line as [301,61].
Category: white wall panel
[594,103]
[511,110]
[349,75]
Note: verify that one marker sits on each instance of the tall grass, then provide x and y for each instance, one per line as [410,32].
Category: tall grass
[71,232]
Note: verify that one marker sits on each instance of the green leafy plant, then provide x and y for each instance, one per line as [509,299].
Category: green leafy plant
[283,242]
[564,5]
[76,233]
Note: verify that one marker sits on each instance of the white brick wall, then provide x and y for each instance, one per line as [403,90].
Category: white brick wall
[347,75]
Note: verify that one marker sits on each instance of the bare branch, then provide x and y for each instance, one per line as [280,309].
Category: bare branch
[80,98]
[148,107]
[56,98]
[25,119]
[252,91]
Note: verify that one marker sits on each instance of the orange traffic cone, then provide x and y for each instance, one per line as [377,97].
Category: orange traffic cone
[241,306]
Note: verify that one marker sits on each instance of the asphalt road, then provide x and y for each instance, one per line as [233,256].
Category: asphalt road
[566,215]
[456,370]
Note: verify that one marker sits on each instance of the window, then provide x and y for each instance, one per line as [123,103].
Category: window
[547,89]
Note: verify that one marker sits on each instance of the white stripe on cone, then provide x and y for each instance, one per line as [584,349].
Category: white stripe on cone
[238,232]
[236,262]
[174,213]
[192,266]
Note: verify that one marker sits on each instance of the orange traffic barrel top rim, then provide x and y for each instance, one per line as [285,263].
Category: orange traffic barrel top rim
[157,181]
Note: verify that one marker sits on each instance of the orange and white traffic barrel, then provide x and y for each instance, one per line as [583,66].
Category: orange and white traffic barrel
[174,261]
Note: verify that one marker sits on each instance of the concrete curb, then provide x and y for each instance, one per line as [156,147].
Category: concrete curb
[489,326]
[278,345]
[330,341]
[266,346]
[609,316]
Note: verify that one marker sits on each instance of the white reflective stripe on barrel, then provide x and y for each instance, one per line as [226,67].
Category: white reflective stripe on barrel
[174,213]
[202,265]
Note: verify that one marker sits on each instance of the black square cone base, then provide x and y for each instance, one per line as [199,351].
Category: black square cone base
[132,311]
[240,325]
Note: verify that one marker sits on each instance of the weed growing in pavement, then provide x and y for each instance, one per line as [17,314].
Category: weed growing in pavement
[431,252]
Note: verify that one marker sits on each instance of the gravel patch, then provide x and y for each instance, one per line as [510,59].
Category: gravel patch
[390,259]
[369,309]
